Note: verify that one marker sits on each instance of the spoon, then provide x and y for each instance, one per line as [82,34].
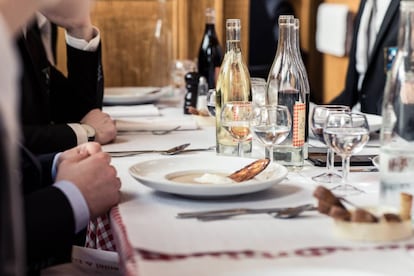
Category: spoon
[170,151]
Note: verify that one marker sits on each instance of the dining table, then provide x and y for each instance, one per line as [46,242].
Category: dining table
[152,241]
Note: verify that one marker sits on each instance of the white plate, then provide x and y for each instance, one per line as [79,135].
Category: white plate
[300,271]
[131,95]
[154,174]
[374,122]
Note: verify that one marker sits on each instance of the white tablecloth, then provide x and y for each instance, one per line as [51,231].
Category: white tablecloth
[165,245]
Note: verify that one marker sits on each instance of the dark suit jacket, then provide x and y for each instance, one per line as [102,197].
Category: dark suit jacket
[372,89]
[264,34]
[49,219]
[50,100]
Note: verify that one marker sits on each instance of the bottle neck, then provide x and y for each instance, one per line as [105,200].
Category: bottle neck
[286,39]
[233,39]
[210,29]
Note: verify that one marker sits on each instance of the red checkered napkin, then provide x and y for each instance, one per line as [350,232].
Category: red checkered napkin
[99,234]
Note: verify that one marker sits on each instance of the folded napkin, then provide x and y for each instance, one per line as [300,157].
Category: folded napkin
[332,29]
[142,110]
[156,123]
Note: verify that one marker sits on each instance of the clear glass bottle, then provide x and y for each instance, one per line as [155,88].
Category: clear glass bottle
[397,131]
[304,75]
[161,49]
[286,86]
[233,84]
[210,54]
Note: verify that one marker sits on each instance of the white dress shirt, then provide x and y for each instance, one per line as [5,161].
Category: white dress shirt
[361,49]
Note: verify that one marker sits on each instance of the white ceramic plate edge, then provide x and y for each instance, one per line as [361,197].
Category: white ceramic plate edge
[206,190]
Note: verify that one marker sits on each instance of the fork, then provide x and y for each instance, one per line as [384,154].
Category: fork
[228,213]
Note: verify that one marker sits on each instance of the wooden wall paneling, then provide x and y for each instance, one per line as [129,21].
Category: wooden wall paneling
[239,9]
[127,29]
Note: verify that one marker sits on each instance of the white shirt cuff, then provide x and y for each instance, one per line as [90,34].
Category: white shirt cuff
[82,44]
[77,201]
[81,135]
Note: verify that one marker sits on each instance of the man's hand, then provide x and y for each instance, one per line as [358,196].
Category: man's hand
[94,176]
[103,124]
[80,152]
[16,13]
[74,16]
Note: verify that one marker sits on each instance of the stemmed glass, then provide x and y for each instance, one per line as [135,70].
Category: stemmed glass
[346,134]
[235,118]
[271,125]
[318,119]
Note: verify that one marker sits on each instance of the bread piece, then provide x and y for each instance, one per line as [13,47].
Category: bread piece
[339,213]
[324,207]
[405,206]
[361,215]
[326,195]
[250,171]
[389,217]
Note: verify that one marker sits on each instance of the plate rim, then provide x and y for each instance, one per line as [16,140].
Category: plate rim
[111,99]
[197,190]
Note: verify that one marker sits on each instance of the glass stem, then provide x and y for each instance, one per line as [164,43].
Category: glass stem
[330,159]
[240,148]
[345,168]
[270,155]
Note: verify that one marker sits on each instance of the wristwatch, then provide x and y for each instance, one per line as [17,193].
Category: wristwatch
[90,132]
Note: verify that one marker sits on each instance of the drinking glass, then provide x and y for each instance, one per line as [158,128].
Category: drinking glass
[346,134]
[258,91]
[271,125]
[211,102]
[318,119]
[235,118]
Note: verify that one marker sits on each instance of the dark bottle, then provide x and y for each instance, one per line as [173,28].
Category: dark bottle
[191,86]
[210,54]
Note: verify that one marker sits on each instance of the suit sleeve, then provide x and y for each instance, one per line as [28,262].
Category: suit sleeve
[50,227]
[49,138]
[82,90]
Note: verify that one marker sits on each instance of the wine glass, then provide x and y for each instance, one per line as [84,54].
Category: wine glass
[346,134]
[271,125]
[211,102]
[235,118]
[318,119]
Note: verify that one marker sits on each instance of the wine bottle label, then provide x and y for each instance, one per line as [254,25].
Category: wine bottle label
[299,123]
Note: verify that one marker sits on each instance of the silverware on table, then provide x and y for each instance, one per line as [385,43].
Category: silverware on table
[171,151]
[228,213]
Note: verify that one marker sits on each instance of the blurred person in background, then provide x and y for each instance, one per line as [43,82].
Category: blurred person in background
[59,112]
[264,33]
[60,193]
[376,28]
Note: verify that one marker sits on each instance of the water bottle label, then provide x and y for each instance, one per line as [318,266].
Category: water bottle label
[299,123]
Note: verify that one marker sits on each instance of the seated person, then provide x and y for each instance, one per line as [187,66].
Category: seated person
[59,112]
[365,79]
[62,193]
[264,33]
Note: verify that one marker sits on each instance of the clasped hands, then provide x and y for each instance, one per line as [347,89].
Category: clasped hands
[89,168]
